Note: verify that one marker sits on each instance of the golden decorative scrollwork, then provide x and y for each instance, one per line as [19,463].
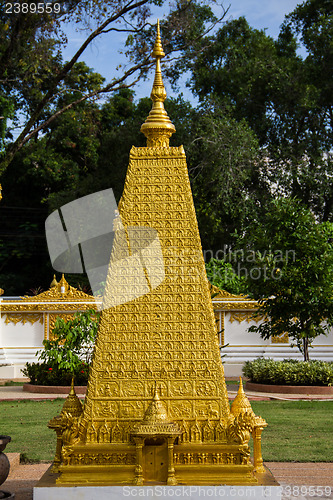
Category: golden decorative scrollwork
[61,291]
[280,339]
[244,316]
[23,318]
[8,306]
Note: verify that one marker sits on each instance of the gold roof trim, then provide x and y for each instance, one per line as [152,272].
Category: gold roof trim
[61,291]
[223,294]
[158,127]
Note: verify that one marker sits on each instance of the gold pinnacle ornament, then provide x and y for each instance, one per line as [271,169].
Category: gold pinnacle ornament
[158,127]
[157,408]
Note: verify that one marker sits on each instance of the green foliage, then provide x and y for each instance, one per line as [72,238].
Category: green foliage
[86,150]
[68,354]
[72,343]
[285,98]
[289,372]
[33,71]
[223,161]
[51,374]
[288,264]
[222,275]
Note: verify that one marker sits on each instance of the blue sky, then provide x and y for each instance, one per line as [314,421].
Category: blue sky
[103,54]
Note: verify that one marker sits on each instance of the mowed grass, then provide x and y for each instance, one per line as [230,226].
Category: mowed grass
[26,422]
[299,431]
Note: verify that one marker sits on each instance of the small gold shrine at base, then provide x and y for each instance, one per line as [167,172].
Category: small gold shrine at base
[157,409]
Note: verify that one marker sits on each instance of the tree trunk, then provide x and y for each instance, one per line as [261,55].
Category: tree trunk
[306,349]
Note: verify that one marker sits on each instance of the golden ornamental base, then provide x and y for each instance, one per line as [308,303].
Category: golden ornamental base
[265,487]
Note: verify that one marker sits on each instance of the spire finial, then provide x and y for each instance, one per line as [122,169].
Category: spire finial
[158,127]
[241,404]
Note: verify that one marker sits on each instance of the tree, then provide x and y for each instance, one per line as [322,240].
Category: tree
[72,343]
[46,171]
[221,274]
[285,98]
[34,72]
[312,24]
[86,149]
[288,264]
[68,354]
[224,168]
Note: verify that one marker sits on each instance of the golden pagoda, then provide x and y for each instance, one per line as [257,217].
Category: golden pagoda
[156,409]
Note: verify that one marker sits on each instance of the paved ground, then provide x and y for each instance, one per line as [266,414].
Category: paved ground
[298,480]
[13,393]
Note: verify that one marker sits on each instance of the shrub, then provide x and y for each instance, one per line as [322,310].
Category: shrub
[45,374]
[68,354]
[289,372]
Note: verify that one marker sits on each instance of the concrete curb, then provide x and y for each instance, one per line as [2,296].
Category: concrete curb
[53,389]
[290,389]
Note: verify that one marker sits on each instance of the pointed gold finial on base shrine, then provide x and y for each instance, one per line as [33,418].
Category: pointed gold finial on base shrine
[241,404]
[158,127]
[72,403]
[72,408]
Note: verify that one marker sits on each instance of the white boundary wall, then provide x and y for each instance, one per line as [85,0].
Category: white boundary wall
[25,323]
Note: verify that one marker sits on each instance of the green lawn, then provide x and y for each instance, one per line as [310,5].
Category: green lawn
[26,422]
[297,431]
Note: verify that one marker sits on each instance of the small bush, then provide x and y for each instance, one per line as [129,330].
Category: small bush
[289,372]
[45,374]
[68,354]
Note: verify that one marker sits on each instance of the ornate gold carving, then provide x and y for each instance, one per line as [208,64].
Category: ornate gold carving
[244,316]
[241,404]
[223,294]
[46,325]
[23,318]
[223,300]
[61,291]
[8,306]
[72,403]
[226,306]
[63,423]
[280,339]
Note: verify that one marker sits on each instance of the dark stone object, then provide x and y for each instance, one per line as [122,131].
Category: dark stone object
[4,466]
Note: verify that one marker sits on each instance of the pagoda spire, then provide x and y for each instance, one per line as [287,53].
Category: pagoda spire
[158,127]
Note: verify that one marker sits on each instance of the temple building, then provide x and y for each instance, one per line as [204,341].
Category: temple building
[157,409]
